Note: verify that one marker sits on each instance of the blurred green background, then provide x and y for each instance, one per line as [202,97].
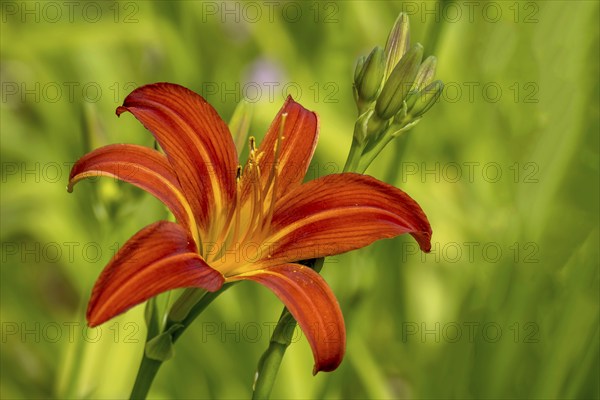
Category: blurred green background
[505,166]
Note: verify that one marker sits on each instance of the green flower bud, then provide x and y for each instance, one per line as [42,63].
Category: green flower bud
[358,72]
[411,99]
[397,43]
[425,74]
[360,63]
[399,83]
[426,99]
[371,75]
[424,77]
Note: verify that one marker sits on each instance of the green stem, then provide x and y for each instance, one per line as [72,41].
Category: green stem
[145,377]
[359,141]
[148,366]
[184,303]
[354,156]
[371,152]
[208,298]
[268,365]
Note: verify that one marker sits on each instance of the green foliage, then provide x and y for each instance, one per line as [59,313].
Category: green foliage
[506,167]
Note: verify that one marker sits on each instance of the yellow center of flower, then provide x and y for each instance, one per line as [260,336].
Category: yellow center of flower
[242,243]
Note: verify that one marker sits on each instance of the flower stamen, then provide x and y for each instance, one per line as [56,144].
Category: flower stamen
[253,169]
[236,226]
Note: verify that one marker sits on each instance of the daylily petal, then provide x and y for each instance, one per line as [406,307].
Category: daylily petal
[197,143]
[143,167]
[310,300]
[338,213]
[300,133]
[160,257]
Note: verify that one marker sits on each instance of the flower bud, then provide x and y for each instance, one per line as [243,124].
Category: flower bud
[371,76]
[360,63]
[397,43]
[399,83]
[426,99]
[358,71]
[425,74]
[424,77]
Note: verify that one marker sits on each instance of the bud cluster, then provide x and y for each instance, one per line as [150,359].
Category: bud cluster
[393,88]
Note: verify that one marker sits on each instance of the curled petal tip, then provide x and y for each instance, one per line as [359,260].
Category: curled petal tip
[330,361]
[120,110]
[91,323]
[330,367]
[424,240]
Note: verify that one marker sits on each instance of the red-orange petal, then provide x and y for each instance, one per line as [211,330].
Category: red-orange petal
[160,257]
[339,213]
[310,300]
[300,134]
[197,143]
[143,167]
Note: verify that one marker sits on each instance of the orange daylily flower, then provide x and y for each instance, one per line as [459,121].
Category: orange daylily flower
[235,224]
